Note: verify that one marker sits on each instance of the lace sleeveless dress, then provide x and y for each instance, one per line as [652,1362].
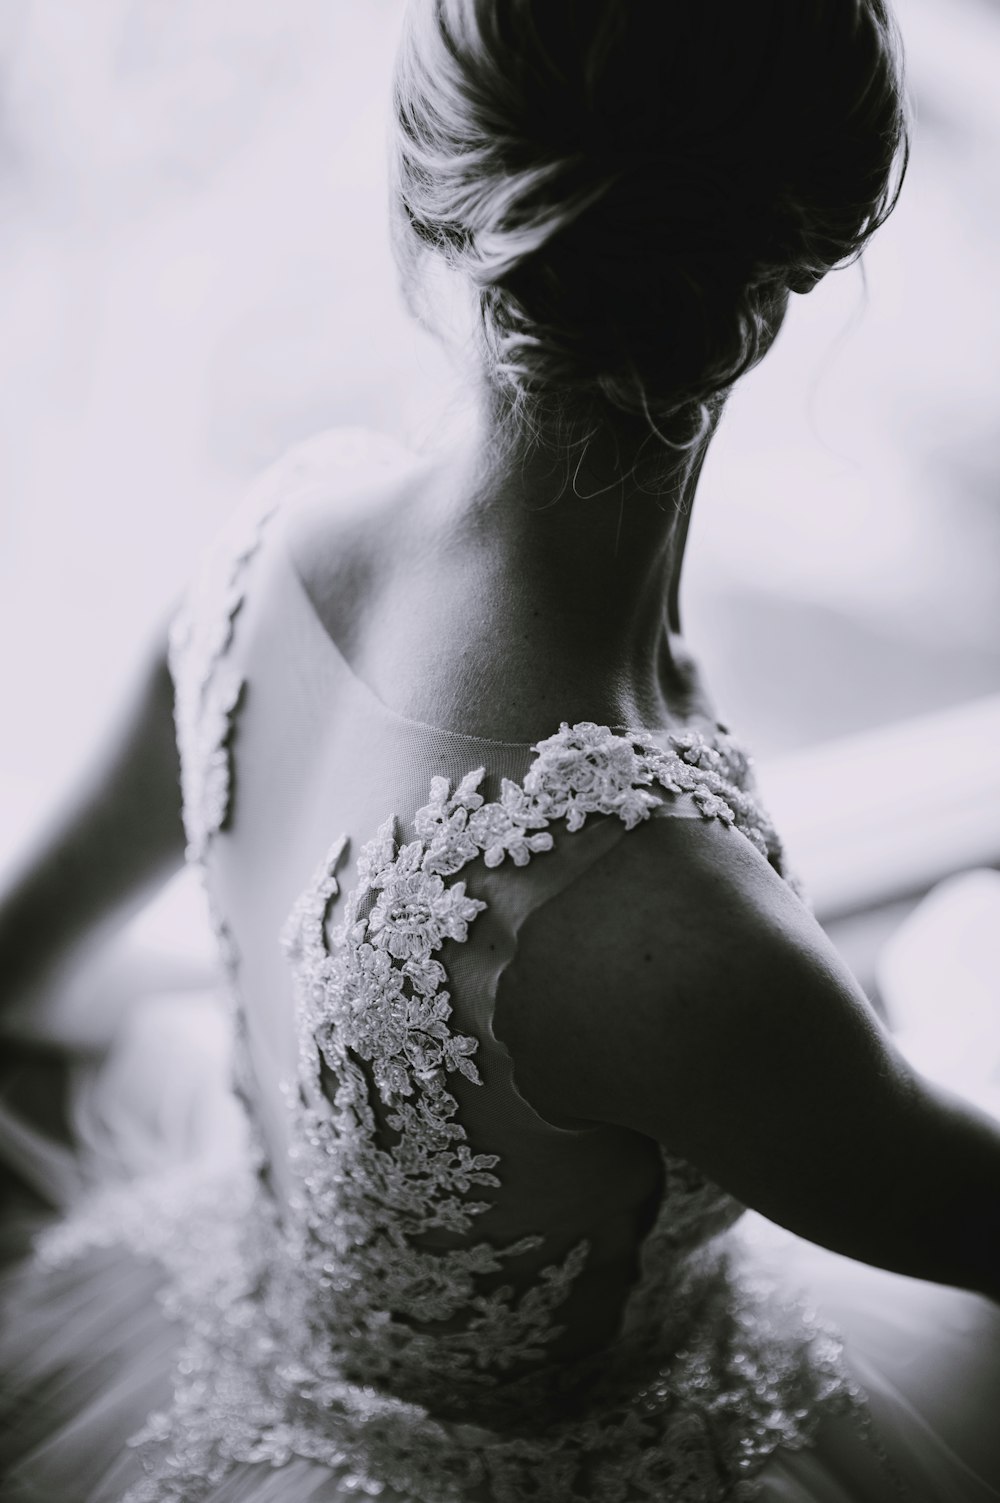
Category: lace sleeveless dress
[387,1275]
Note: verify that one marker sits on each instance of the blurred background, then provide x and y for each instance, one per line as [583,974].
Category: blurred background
[194,273]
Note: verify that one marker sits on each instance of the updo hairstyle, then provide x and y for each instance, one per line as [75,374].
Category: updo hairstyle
[632,187]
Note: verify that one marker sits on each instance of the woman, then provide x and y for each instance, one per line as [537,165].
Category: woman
[548,1011]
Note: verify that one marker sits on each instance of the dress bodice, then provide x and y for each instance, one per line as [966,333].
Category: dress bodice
[417,1259]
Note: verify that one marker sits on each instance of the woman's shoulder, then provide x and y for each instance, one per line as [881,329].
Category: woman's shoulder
[681,990]
[302,507]
[317,481]
[342,456]
[679,948]
[670,904]
[343,491]
[306,487]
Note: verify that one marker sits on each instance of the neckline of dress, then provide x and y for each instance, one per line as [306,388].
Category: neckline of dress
[711,731]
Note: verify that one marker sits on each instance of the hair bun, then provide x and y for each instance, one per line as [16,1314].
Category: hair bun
[633,189]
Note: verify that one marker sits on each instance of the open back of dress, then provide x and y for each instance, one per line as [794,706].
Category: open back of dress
[442,1255]
[412,1285]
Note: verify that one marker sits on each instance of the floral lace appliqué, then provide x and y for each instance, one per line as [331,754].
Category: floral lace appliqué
[374,1006]
[353,1327]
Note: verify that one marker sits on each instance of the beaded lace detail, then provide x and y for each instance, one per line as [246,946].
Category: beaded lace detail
[378,1001]
[365,1326]
[374,1007]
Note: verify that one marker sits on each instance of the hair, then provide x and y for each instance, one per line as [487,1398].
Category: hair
[632,187]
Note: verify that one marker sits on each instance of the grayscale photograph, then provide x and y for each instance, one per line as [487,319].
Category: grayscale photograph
[500,773]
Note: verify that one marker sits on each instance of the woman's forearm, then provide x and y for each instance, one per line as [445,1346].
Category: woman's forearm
[117,837]
[948,1207]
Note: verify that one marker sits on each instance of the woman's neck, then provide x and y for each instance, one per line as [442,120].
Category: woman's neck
[581,554]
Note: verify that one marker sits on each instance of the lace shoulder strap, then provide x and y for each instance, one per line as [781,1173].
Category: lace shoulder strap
[207,685]
[718,773]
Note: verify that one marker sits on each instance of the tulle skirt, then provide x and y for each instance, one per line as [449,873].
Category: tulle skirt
[87,1351]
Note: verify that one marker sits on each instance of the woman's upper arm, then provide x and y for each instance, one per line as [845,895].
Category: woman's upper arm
[681,990]
[115,837]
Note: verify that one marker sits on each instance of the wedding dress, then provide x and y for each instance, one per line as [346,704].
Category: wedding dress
[385,1274]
